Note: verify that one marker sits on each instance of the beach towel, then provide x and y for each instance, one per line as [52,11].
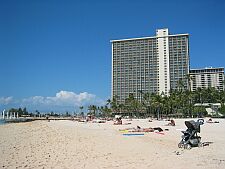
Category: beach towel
[133,134]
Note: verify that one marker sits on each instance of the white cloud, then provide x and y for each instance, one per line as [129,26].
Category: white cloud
[6,100]
[62,101]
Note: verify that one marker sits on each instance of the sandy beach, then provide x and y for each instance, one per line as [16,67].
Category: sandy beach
[70,144]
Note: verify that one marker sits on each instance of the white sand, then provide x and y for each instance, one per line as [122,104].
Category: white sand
[68,144]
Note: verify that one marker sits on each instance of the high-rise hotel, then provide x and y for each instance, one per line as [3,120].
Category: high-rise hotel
[149,64]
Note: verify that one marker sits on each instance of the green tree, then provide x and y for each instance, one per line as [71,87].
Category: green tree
[180,85]
[67,114]
[81,108]
[115,105]
[105,111]
[147,103]
[92,110]
[199,111]
[222,110]
[25,112]
[20,112]
[133,106]
[157,105]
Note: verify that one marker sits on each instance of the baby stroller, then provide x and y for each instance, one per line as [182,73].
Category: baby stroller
[190,138]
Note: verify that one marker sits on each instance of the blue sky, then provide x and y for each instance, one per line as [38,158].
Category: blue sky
[60,50]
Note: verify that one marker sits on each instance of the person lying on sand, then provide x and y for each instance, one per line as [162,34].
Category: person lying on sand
[147,129]
[159,129]
[131,128]
[143,130]
[126,123]
[150,129]
[138,129]
[211,121]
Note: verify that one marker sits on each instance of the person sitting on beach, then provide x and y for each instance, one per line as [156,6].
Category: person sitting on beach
[118,121]
[209,121]
[171,123]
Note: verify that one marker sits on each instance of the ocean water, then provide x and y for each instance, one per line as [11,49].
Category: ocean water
[2,122]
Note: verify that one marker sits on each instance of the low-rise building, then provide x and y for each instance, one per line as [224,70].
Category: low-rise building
[207,77]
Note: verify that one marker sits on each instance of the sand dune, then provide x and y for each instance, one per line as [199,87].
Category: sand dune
[69,144]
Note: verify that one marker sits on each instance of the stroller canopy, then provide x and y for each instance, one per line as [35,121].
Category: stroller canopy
[193,125]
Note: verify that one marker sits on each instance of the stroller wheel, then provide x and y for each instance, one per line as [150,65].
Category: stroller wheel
[180,145]
[187,146]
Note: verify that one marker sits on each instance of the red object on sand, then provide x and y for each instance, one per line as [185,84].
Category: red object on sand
[160,133]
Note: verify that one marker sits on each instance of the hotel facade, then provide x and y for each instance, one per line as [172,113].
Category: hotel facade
[207,77]
[149,64]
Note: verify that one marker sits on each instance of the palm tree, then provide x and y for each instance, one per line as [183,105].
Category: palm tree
[93,109]
[199,95]
[222,97]
[81,108]
[90,109]
[132,105]
[108,102]
[166,105]
[105,111]
[189,94]
[114,104]
[147,103]
[180,85]
[157,103]
[176,102]
[189,79]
